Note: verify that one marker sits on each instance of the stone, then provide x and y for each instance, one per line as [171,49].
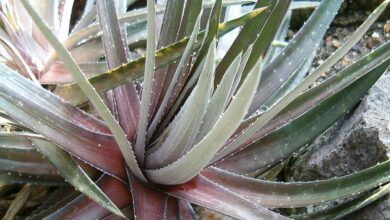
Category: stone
[354,143]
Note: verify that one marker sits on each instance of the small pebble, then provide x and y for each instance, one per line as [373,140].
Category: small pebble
[346,61]
[375,35]
[336,43]
[328,40]
[323,75]
[290,33]
[386,28]
[373,41]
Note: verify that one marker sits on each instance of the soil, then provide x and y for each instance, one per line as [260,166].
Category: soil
[337,35]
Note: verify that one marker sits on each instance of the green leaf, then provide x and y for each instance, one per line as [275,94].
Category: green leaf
[304,85]
[189,84]
[303,4]
[267,34]
[211,33]
[171,22]
[130,17]
[307,116]
[290,84]
[298,194]
[134,70]
[220,98]
[163,77]
[93,50]
[186,125]
[73,173]
[83,207]
[192,11]
[87,18]
[180,67]
[147,84]
[344,209]
[292,57]
[211,195]
[245,38]
[114,46]
[200,155]
[280,36]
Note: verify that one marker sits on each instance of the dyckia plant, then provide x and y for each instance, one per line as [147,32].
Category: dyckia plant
[143,120]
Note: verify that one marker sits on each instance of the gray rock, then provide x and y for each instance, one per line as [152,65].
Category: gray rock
[356,142]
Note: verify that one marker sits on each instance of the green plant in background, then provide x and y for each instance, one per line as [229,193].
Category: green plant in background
[147,132]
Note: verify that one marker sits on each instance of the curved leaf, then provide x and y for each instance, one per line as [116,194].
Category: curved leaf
[185,127]
[180,67]
[220,99]
[298,194]
[65,125]
[200,155]
[125,98]
[89,91]
[203,192]
[344,209]
[147,85]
